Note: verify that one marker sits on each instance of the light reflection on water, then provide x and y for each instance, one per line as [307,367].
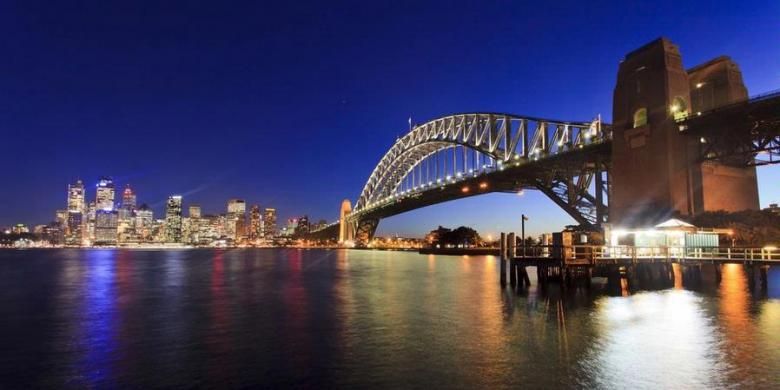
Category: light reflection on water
[315,318]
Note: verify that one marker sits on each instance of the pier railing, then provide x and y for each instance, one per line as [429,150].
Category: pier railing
[596,254]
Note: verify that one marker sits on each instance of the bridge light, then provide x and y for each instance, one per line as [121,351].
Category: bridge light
[438,180]
[465,189]
[459,174]
[471,171]
[703,140]
[698,113]
[675,108]
[699,85]
[483,185]
[520,193]
[430,183]
[560,143]
[517,156]
[449,177]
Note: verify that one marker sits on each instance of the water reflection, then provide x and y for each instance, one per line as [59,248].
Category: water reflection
[294,318]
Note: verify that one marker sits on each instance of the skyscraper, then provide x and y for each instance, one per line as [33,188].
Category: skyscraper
[128,199]
[193,236]
[236,219]
[255,223]
[76,197]
[104,197]
[269,223]
[173,219]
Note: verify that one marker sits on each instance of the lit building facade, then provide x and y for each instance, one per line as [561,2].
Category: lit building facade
[104,196]
[106,222]
[144,223]
[76,197]
[269,223]
[236,219]
[173,219]
[255,223]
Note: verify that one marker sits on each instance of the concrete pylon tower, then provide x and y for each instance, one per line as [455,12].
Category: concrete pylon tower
[346,231]
[656,170]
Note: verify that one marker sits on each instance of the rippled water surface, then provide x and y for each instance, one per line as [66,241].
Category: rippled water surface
[318,318]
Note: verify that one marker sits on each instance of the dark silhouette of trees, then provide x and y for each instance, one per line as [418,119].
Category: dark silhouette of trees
[461,237]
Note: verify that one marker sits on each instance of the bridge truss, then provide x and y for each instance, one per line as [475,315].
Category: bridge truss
[467,154]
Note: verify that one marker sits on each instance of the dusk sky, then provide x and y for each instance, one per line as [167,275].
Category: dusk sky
[291,104]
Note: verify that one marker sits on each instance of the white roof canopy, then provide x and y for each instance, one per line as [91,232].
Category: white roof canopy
[674,223]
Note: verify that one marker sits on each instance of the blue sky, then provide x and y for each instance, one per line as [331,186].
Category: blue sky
[292,105]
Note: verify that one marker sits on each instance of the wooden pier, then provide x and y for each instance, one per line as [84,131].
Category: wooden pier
[571,264]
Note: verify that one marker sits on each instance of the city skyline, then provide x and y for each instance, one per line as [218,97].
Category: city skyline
[236,105]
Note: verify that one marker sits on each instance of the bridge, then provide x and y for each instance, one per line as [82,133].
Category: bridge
[682,142]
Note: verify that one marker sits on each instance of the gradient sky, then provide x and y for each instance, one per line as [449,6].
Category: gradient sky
[291,104]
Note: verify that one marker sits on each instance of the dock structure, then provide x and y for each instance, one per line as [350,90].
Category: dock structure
[568,264]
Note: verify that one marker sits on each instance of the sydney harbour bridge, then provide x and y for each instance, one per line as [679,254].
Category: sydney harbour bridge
[682,142]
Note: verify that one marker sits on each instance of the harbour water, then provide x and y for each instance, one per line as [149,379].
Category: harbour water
[338,318]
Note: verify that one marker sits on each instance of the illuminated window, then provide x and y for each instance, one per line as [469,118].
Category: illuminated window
[640,117]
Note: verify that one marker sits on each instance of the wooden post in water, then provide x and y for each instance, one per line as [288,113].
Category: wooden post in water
[763,271]
[510,249]
[502,256]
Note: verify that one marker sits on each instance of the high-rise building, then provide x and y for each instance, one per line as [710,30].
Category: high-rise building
[104,197]
[73,229]
[236,219]
[255,223]
[62,218]
[76,197]
[144,223]
[128,199]
[173,219]
[269,223]
[106,222]
[193,235]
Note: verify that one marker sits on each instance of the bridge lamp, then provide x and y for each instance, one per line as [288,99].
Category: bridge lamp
[483,185]
[459,174]
[560,143]
[471,171]
[449,177]
[703,140]
[430,183]
[675,108]
[699,85]
[521,192]
[438,180]
[517,156]
[465,189]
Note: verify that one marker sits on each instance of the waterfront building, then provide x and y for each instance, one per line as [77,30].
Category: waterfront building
[773,208]
[255,223]
[106,223]
[236,219]
[20,228]
[76,197]
[73,228]
[104,196]
[173,219]
[269,223]
[144,223]
[195,221]
[158,231]
[90,222]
